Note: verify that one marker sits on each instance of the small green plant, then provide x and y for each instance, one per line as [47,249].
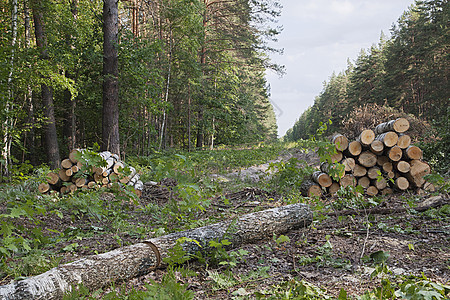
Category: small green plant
[294,289]
[324,258]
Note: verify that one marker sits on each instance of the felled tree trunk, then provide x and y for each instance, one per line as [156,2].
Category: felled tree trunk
[124,263]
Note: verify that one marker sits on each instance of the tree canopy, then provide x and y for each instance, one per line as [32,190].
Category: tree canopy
[190,73]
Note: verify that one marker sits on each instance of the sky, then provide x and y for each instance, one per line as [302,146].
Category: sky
[318,38]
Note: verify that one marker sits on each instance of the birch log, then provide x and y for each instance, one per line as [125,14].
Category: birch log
[124,263]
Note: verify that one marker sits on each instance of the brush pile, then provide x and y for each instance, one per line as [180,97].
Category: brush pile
[381,160]
[88,170]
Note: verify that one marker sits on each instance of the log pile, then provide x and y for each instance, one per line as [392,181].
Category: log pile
[381,160]
[76,174]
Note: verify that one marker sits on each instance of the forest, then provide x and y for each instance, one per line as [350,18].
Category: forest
[140,159]
[133,76]
[407,74]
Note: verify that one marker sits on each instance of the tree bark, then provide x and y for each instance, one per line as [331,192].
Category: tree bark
[127,262]
[51,138]
[110,118]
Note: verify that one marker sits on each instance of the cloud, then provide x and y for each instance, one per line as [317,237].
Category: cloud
[342,7]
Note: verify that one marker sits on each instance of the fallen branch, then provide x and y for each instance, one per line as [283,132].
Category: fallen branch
[432,202]
[96,271]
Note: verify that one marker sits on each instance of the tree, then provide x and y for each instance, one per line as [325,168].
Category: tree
[51,138]
[110,112]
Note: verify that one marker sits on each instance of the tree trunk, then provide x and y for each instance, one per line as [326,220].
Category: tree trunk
[124,263]
[340,142]
[51,138]
[110,118]
[377,147]
[404,141]
[366,137]
[354,149]
[395,153]
[389,139]
[348,180]
[399,125]
[367,159]
[310,189]
[413,152]
[323,179]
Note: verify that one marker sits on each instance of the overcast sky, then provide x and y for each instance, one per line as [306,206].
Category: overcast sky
[318,38]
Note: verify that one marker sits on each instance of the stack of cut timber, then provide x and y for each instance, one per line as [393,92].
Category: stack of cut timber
[381,160]
[73,175]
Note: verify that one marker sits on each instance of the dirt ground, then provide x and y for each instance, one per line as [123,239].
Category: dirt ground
[332,253]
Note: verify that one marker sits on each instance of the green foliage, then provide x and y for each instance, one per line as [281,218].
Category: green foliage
[324,258]
[351,197]
[294,289]
[289,175]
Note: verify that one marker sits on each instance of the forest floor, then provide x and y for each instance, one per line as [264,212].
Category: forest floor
[333,253]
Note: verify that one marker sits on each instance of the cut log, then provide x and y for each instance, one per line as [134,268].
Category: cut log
[359,171]
[387,191]
[367,159]
[349,164]
[63,190]
[419,168]
[373,172]
[69,172]
[381,160]
[429,187]
[348,180]
[73,154]
[340,142]
[105,154]
[390,174]
[75,169]
[80,182]
[402,166]
[44,187]
[334,187]
[91,184]
[72,188]
[62,174]
[121,264]
[389,139]
[413,152]
[354,149]
[323,179]
[66,163]
[109,162]
[401,183]
[399,125]
[309,188]
[404,141]
[364,182]
[377,147]
[326,168]
[380,183]
[118,167]
[52,178]
[366,137]
[395,153]
[337,157]
[387,167]
[371,191]
[139,185]
[98,178]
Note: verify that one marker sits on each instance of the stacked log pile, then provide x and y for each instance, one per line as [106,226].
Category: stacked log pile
[74,175]
[381,160]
